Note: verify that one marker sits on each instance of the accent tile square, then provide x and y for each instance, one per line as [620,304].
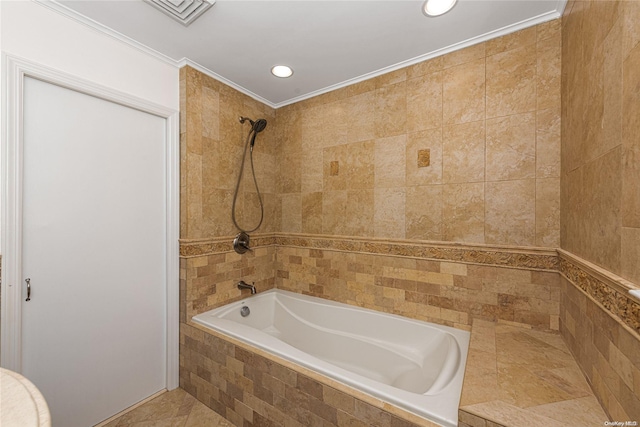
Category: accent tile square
[424,158]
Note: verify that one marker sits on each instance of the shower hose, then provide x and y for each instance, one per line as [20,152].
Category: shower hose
[255,181]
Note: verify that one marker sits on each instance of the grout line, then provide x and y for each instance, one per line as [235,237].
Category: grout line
[535,150]
[441,183]
[484,182]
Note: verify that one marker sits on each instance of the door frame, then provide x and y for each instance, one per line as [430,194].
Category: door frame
[15,70]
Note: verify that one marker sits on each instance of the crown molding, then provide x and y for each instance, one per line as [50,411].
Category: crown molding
[95,25]
[561,6]
[545,17]
[218,77]
[77,17]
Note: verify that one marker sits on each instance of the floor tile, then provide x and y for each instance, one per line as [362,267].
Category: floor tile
[175,408]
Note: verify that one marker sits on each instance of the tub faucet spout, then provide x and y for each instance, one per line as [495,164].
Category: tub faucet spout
[243,285]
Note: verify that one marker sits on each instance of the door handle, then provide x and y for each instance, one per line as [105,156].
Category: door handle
[28,289]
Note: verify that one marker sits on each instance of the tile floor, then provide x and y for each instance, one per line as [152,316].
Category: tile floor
[175,408]
[521,378]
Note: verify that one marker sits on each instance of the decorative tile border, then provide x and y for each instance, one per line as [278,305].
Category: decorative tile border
[545,259]
[608,290]
[199,247]
[526,258]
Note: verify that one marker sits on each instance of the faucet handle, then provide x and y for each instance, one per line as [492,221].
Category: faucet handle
[241,243]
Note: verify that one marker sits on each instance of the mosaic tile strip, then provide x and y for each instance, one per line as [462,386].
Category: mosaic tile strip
[189,248]
[614,301]
[528,259]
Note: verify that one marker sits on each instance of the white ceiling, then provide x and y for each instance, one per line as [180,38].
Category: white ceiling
[328,43]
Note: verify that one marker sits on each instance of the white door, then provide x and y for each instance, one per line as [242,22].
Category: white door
[93,332]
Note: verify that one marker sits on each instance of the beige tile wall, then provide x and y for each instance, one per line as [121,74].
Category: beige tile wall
[211,143]
[353,161]
[600,195]
[443,292]
[606,349]
[416,153]
[601,134]
[208,281]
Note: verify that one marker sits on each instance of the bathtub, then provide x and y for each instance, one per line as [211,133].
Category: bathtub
[417,366]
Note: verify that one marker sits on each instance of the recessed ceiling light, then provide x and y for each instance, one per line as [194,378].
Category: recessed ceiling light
[437,7]
[281,71]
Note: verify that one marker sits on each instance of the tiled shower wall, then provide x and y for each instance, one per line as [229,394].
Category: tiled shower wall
[443,292]
[460,148]
[210,280]
[464,147]
[445,284]
[607,350]
[211,142]
[601,134]
[601,197]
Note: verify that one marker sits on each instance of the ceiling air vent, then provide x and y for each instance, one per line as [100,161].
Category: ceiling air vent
[183,11]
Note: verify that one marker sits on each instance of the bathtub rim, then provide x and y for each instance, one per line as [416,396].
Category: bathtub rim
[406,413]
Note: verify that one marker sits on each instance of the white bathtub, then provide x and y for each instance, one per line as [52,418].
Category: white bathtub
[415,365]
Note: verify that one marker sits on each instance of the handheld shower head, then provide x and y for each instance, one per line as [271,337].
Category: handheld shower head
[259,125]
[256,127]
